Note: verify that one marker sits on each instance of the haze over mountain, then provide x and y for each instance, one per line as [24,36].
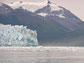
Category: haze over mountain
[55,25]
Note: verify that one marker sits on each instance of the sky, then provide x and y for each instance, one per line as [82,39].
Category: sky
[75,6]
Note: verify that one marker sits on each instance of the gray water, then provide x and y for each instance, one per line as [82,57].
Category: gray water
[41,55]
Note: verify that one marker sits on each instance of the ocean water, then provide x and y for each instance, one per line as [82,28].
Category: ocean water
[41,54]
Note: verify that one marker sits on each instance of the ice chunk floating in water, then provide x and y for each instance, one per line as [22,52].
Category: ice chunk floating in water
[17,36]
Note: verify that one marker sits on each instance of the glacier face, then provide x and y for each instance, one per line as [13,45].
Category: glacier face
[17,36]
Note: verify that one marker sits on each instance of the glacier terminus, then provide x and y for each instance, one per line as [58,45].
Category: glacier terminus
[17,36]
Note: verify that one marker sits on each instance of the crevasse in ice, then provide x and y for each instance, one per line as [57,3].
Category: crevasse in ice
[17,36]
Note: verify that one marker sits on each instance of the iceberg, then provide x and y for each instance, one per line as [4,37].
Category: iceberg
[17,36]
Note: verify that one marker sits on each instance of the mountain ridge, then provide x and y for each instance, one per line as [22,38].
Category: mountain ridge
[51,29]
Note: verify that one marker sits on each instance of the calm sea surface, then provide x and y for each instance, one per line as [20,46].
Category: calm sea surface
[41,54]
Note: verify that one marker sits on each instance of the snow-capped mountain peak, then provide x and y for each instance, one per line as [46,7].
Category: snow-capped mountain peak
[30,6]
[33,6]
[51,9]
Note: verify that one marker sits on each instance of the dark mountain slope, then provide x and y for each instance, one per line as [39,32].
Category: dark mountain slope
[45,29]
[52,29]
[60,15]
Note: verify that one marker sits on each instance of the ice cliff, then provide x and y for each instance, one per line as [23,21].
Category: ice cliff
[17,36]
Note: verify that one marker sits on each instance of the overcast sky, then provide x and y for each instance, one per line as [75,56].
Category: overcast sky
[75,6]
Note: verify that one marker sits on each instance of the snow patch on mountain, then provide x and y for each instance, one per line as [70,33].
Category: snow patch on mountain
[50,9]
[33,6]
[54,7]
[30,6]
[43,14]
[61,16]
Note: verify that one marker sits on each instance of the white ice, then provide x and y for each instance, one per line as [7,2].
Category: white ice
[17,36]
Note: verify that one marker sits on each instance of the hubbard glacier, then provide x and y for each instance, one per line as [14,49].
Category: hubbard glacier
[17,36]
[39,32]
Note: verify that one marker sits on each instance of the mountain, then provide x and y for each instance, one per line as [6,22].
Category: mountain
[54,24]
[67,19]
[5,9]
[60,15]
